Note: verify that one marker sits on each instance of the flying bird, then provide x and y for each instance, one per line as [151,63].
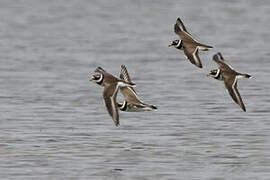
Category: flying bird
[111,86]
[188,44]
[227,74]
[132,103]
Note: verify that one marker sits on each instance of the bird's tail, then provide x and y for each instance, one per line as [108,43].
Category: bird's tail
[149,107]
[247,76]
[204,47]
[153,107]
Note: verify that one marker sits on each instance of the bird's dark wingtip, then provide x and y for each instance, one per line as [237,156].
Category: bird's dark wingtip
[243,107]
[123,66]
[220,56]
[217,57]
[247,76]
[176,28]
[99,69]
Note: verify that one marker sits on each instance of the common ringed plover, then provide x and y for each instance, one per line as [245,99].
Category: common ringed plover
[188,44]
[111,86]
[132,103]
[227,74]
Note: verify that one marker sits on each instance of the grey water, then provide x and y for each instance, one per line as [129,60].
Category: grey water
[53,122]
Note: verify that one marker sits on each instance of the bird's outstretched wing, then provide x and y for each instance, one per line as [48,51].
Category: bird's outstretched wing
[231,85]
[109,95]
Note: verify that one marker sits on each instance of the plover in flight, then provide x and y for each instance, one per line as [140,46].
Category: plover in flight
[111,86]
[132,103]
[227,74]
[188,44]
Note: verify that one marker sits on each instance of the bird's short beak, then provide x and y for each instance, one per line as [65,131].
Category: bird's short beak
[92,78]
[170,45]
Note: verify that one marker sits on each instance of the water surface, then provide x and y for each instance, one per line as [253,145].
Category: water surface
[53,121]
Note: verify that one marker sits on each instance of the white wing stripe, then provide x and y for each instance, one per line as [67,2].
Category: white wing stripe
[195,56]
[230,66]
[113,103]
[113,108]
[235,93]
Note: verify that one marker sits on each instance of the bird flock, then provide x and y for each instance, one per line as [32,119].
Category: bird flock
[132,102]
